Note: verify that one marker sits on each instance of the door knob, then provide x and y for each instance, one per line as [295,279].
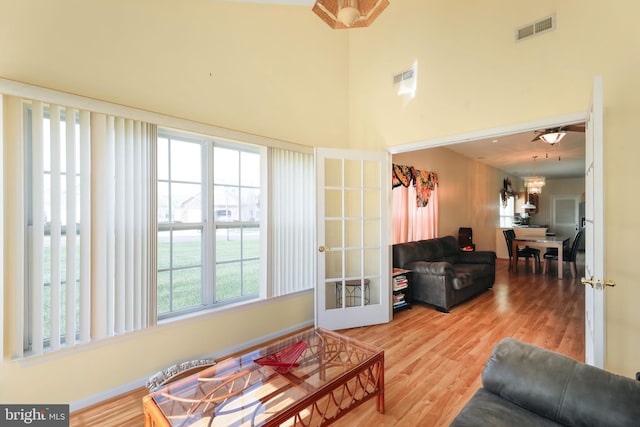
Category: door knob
[597,284]
[321,248]
[586,281]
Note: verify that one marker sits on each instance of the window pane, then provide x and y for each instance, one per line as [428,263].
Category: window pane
[225,166]
[187,248]
[187,291]
[186,161]
[250,207]
[250,169]
[251,273]
[164,292]
[228,244]
[164,250]
[251,243]
[186,203]
[163,158]
[226,203]
[164,214]
[228,281]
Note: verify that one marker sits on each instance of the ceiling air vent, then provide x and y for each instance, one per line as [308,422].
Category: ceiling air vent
[541,26]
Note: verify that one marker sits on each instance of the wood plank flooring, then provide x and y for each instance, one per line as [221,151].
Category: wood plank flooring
[433,361]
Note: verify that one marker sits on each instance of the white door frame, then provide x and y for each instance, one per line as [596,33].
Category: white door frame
[557,121]
[595,338]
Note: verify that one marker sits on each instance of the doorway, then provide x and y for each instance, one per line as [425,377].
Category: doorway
[491,234]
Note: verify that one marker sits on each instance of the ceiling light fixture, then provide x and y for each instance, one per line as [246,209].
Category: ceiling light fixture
[553,137]
[534,183]
[339,14]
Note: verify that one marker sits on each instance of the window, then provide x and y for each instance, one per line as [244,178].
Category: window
[54,156]
[236,201]
[192,275]
[507,211]
[181,223]
[146,224]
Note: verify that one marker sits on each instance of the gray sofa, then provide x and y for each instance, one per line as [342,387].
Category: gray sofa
[525,385]
[441,274]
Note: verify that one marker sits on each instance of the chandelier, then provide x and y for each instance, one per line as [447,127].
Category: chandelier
[534,183]
[340,14]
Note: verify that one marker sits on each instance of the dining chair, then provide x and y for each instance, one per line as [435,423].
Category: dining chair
[569,254]
[525,252]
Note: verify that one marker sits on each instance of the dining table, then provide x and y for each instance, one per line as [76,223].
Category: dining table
[541,242]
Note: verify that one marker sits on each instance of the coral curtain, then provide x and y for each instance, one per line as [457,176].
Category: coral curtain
[414,207]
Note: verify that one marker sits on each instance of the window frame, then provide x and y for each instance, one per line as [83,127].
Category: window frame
[209,226]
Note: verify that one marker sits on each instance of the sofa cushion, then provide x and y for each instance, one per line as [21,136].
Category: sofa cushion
[560,388]
[487,409]
[467,274]
[462,279]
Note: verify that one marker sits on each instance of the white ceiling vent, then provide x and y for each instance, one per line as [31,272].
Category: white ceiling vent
[405,75]
[541,26]
[407,82]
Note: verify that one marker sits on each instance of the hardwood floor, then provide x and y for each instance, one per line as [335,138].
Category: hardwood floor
[433,361]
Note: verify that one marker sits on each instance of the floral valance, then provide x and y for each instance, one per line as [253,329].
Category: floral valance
[424,181]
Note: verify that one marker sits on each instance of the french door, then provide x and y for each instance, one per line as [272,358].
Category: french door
[594,232]
[353,204]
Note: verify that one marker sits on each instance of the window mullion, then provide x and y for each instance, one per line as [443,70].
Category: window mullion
[209,230]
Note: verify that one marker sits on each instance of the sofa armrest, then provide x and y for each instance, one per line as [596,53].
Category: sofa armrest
[478,257]
[560,388]
[438,268]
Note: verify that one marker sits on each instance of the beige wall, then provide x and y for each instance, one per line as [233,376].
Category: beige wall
[72,375]
[473,76]
[556,187]
[279,71]
[237,66]
[263,69]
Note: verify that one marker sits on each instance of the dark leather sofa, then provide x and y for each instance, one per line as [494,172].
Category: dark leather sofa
[525,385]
[441,274]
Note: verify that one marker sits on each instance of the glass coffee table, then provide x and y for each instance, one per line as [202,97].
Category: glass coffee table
[308,379]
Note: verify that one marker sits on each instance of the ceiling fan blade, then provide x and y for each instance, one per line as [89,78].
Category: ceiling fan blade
[536,138]
[575,128]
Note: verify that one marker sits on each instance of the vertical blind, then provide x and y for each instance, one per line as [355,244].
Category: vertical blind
[80,217]
[90,224]
[292,221]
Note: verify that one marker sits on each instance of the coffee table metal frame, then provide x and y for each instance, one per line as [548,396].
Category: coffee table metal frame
[334,375]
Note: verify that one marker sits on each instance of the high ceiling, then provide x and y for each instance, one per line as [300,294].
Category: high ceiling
[514,154]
